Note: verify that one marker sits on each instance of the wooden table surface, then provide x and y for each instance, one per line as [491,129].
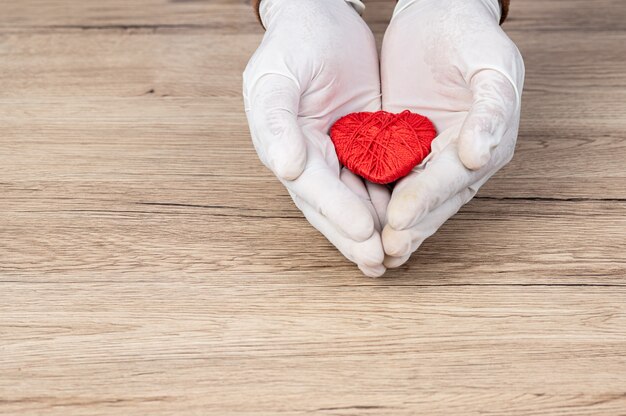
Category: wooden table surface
[149,264]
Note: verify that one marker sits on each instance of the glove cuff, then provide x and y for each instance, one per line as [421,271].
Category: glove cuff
[502,5]
[356,4]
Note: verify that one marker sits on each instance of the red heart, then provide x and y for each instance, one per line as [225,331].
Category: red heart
[382,147]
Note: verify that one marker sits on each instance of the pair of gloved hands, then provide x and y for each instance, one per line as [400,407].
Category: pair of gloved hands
[446,59]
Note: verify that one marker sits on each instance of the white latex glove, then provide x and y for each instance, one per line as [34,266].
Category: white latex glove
[317,62]
[450,61]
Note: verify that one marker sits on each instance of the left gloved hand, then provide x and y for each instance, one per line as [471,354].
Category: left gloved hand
[450,61]
[317,62]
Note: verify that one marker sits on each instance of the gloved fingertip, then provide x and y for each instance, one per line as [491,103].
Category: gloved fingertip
[363,227]
[288,171]
[475,160]
[396,243]
[355,221]
[475,153]
[402,214]
[392,262]
[372,271]
[369,253]
[287,164]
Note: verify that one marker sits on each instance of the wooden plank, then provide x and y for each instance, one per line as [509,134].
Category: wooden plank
[528,15]
[206,15]
[557,62]
[120,64]
[127,136]
[532,18]
[190,226]
[166,346]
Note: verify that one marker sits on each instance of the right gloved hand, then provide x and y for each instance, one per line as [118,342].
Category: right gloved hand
[317,62]
[450,61]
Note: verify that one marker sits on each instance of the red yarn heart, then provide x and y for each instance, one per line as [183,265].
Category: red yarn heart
[382,147]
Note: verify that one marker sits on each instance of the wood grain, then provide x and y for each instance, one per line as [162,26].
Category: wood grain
[150,265]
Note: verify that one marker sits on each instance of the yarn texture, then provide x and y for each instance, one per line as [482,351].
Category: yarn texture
[382,147]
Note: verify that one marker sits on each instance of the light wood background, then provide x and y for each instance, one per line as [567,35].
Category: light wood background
[150,265]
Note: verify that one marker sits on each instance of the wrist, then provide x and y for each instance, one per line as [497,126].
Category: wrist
[255,5]
[504,7]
